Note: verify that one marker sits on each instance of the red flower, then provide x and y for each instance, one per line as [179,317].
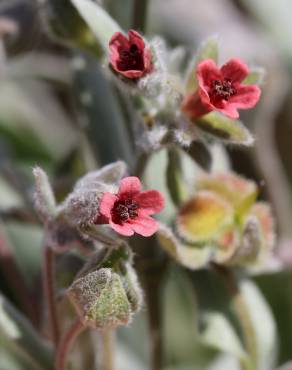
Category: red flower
[221,89]
[129,211]
[129,56]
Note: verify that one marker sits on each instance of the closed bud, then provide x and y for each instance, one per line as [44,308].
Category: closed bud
[105,298]
[100,299]
[44,199]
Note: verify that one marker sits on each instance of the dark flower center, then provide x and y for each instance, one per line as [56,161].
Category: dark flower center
[123,210]
[222,90]
[131,59]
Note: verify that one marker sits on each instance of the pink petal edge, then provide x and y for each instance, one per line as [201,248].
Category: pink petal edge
[151,201]
[125,229]
[129,185]
[106,204]
[145,226]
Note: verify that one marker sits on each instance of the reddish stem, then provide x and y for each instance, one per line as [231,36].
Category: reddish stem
[15,278]
[66,344]
[49,290]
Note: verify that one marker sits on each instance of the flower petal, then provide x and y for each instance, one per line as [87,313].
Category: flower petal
[145,226]
[117,42]
[136,38]
[230,110]
[235,70]
[132,73]
[107,202]
[193,106]
[129,185]
[151,201]
[207,71]
[125,229]
[246,97]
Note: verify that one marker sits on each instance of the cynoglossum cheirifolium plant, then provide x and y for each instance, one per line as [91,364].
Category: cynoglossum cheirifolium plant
[182,110]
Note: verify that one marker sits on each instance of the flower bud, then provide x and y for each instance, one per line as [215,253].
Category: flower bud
[100,299]
[81,207]
[44,199]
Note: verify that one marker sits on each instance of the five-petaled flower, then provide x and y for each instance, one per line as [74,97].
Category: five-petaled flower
[221,89]
[130,56]
[129,210]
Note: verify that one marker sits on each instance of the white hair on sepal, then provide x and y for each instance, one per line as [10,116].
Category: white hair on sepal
[153,139]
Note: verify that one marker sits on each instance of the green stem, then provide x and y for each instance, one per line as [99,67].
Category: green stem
[153,301]
[141,164]
[66,344]
[107,349]
[242,313]
[140,15]
[151,266]
[174,178]
[49,291]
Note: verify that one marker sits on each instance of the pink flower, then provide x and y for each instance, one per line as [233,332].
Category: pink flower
[129,210]
[221,89]
[129,56]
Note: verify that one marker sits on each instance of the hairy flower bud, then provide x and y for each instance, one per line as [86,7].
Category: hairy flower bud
[104,298]
[81,207]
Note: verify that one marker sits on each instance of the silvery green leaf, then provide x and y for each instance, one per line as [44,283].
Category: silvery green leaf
[208,50]
[216,327]
[266,335]
[17,330]
[255,77]
[224,129]
[98,20]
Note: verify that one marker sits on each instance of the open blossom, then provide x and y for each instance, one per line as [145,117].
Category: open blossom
[130,209]
[130,56]
[221,89]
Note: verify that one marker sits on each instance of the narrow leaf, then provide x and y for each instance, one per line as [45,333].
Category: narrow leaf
[98,20]
[223,128]
[17,329]
[255,76]
[208,50]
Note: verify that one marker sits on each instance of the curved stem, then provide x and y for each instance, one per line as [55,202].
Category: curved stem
[66,344]
[49,291]
[141,164]
[107,349]
[242,313]
[174,178]
[153,300]
[151,266]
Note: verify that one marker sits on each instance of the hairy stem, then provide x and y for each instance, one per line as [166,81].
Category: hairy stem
[140,15]
[107,340]
[153,301]
[66,344]
[174,178]
[243,316]
[151,266]
[49,291]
